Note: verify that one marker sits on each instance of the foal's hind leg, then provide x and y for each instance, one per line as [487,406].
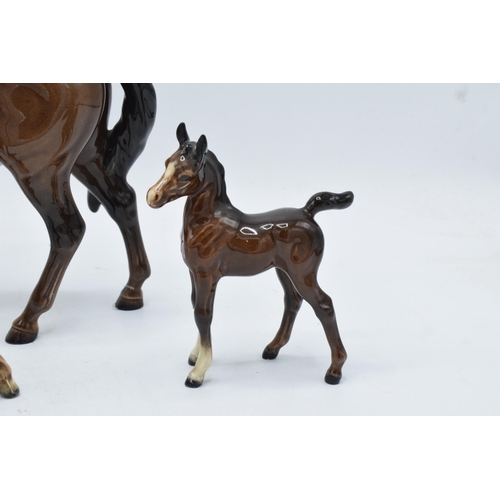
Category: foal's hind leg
[323,307]
[119,200]
[293,301]
[51,196]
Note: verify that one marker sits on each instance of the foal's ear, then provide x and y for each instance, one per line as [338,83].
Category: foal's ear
[201,147]
[182,135]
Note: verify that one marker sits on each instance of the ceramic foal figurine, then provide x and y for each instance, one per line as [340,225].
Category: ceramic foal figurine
[47,133]
[220,240]
[8,388]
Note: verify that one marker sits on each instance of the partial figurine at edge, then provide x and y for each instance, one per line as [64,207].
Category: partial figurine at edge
[47,133]
[8,388]
[219,240]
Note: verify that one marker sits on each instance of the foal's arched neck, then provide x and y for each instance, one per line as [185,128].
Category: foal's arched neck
[213,188]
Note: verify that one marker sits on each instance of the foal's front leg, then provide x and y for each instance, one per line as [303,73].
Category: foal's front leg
[205,286]
[196,350]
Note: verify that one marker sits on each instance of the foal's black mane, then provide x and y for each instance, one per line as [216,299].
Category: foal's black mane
[217,169]
[215,166]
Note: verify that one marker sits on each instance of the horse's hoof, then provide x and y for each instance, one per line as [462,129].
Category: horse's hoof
[11,394]
[192,360]
[17,336]
[128,304]
[192,383]
[270,353]
[332,379]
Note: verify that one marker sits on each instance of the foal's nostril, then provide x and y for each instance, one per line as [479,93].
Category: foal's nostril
[152,197]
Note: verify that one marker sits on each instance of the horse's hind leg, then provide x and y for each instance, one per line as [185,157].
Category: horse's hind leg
[293,301]
[52,197]
[323,307]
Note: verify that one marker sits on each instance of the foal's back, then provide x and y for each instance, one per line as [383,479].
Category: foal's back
[240,244]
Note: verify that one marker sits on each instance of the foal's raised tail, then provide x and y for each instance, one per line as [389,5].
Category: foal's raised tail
[327,201]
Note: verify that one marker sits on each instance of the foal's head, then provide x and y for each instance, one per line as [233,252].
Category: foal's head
[183,171]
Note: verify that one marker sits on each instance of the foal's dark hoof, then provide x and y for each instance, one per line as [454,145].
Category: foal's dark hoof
[191,360]
[332,379]
[128,304]
[192,383]
[270,353]
[17,336]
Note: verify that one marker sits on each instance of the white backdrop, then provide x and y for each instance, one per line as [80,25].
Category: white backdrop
[413,266]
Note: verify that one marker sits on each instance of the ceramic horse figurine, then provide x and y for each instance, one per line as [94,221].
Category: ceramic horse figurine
[220,240]
[8,388]
[47,133]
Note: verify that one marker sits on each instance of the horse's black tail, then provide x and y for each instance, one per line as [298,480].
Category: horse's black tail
[328,201]
[126,141]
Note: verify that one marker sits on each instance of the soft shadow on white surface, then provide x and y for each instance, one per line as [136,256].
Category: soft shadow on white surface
[413,266]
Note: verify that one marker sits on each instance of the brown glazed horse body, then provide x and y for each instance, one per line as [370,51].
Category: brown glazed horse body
[47,133]
[220,240]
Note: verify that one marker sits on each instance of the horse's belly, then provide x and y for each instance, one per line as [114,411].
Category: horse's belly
[41,123]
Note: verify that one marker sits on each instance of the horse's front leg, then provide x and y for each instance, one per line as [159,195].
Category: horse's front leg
[53,199]
[119,200]
[8,388]
[126,217]
[203,311]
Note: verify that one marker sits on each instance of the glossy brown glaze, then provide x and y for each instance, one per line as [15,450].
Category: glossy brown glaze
[47,132]
[219,240]
[8,388]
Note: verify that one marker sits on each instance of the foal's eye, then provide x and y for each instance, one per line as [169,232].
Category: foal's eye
[182,158]
[184,178]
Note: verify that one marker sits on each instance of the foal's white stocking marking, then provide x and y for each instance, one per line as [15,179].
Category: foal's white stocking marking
[196,351]
[202,364]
